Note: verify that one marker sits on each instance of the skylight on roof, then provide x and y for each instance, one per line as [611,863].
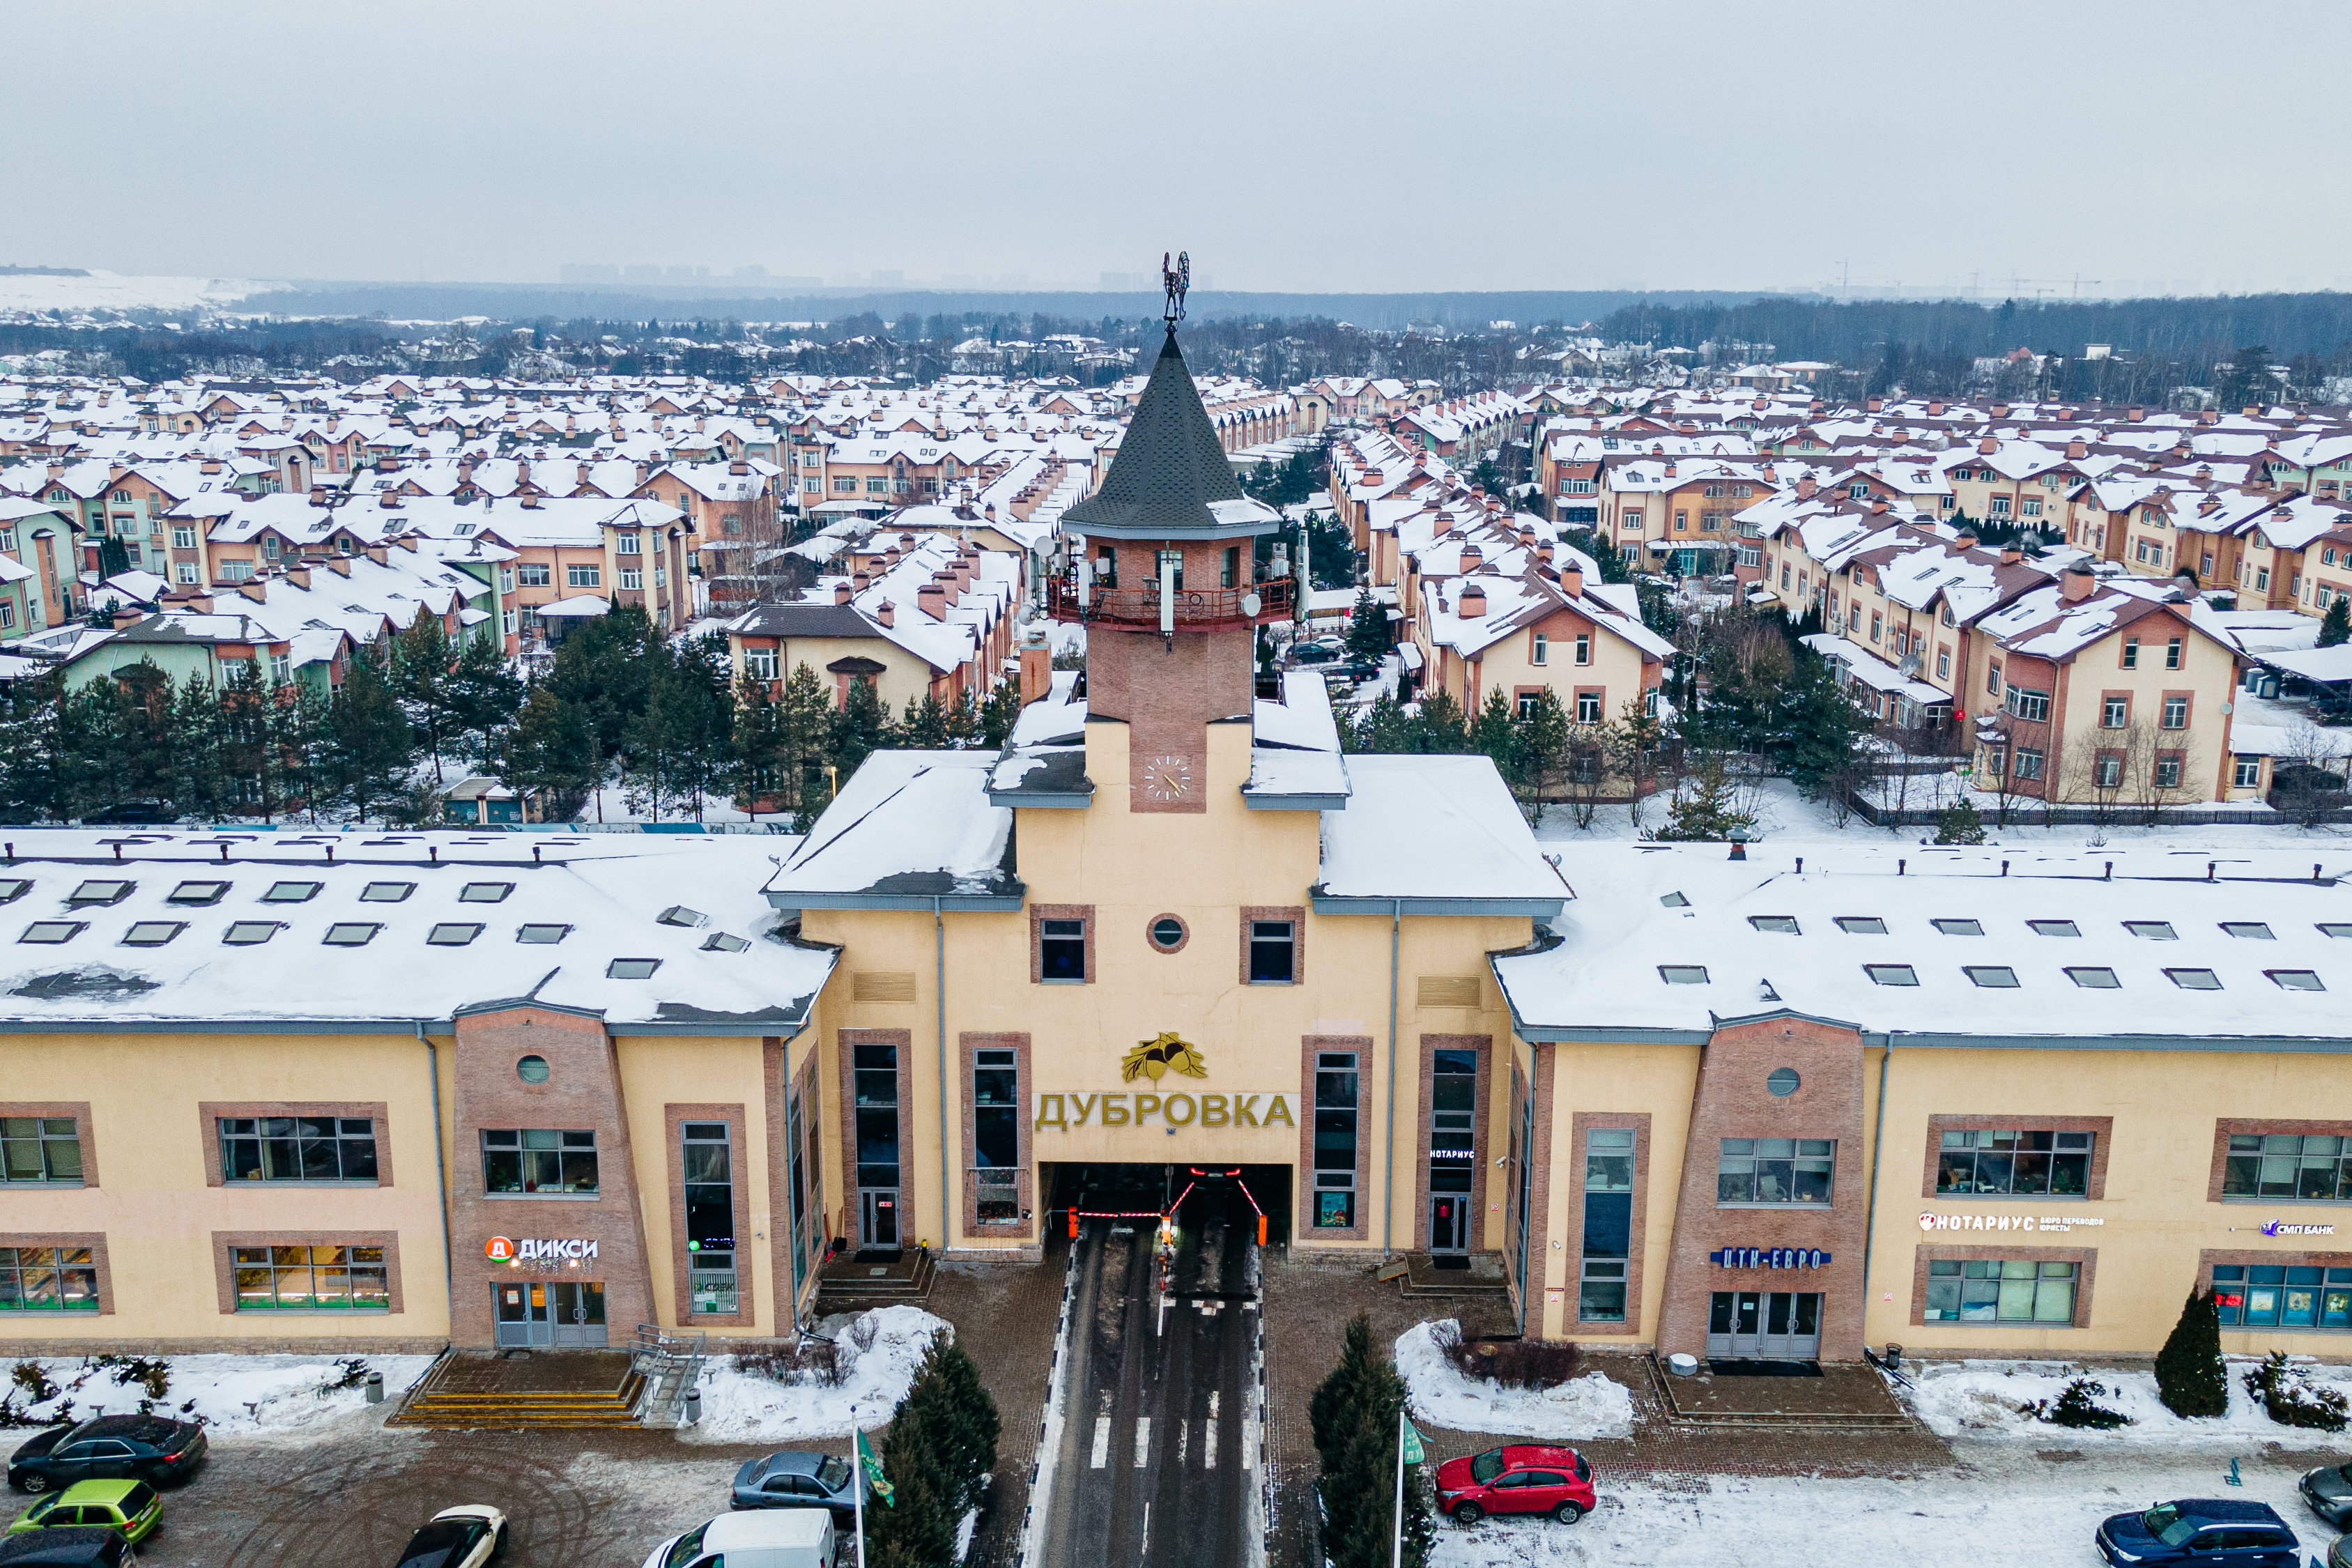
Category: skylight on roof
[543,934]
[153,933]
[1675,901]
[631,968]
[724,942]
[2054,928]
[2194,979]
[1957,927]
[290,893]
[48,933]
[1683,974]
[101,892]
[679,915]
[198,893]
[16,888]
[2295,979]
[1861,925]
[1890,973]
[2093,978]
[250,934]
[454,933]
[485,892]
[385,893]
[2341,929]
[1992,977]
[1784,924]
[2254,931]
[351,933]
[2152,930]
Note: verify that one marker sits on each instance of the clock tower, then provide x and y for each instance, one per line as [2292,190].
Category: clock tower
[1161,572]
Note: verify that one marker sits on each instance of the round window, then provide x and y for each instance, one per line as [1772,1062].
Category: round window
[1169,933]
[533,1069]
[1782,1081]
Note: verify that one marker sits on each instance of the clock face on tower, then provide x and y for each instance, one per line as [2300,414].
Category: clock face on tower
[1167,777]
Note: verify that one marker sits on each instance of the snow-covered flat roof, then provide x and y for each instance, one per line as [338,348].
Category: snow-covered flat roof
[1672,940]
[1439,835]
[173,935]
[906,827]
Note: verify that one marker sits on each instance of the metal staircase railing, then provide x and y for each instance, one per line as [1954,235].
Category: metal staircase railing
[671,1364]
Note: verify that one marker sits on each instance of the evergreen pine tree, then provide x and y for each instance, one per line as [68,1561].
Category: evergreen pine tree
[861,727]
[756,745]
[1495,733]
[1368,628]
[1543,747]
[1333,1407]
[804,728]
[998,714]
[2336,626]
[1355,1415]
[924,727]
[485,696]
[1440,727]
[371,746]
[919,1527]
[549,753]
[419,674]
[2189,1376]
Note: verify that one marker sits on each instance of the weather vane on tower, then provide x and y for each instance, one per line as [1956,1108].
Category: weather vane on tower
[1176,278]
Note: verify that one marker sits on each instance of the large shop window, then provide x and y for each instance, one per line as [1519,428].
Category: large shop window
[2297,1168]
[298,1149]
[996,1135]
[310,1278]
[47,1280]
[39,1149]
[1335,1140]
[1999,1290]
[1776,1171]
[2280,1296]
[537,1159]
[1608,1225]
[2015,1161]
[710,1216]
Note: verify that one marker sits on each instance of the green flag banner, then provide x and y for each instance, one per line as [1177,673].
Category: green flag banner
[1414,1453]
[873,1468]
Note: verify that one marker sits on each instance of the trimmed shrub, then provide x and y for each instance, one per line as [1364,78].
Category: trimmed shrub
[2077,1405]
[2292,1399]
[2190,1377]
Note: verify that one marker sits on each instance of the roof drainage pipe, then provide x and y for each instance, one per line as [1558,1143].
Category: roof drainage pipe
[1877,1143]
[939,987]
[1388,1161]
[441,1176]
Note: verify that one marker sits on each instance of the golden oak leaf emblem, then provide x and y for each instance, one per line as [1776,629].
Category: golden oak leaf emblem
[1152,1058]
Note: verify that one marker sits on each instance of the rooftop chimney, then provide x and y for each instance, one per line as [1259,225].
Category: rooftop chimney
[886,614]
[841,593]
[1805,487]
[2076,584]
[379,554]
[931,598]
[1965,540]
[1936,409]
[299,575]
[1471,604]
[1988,446]
[1571,581]
[2010,555]
[317,495]
[738,468]
[1471,556]
[2134,414]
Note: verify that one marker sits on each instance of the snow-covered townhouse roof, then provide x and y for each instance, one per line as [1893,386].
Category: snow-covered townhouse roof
[2049,624]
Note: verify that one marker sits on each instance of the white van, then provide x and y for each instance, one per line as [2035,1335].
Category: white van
[761,1538]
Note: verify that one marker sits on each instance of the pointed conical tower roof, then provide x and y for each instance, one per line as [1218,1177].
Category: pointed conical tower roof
[1170,477]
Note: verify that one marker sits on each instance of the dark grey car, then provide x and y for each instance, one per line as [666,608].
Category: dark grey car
[2329,1493]
[796,1480]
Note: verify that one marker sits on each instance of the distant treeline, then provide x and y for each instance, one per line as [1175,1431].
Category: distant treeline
[2193,332]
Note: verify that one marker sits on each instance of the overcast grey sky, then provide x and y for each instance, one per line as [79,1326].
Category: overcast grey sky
[2152,147]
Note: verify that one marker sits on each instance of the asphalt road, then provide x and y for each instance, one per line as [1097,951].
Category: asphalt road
[1154,1468]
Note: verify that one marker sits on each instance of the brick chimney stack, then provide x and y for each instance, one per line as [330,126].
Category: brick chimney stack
[2074,585]
[1472,604]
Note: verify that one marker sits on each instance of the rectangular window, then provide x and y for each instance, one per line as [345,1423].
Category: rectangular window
[2175,712]
[2172,653]
[2015,1162]
[876,1084]
[2131,653]
[532,575]
[298,1149]
[2168,770]
[2288,1166]
[2245,771]
[1336,1083]
[996,1135]
[1796,1171]
[1588,708]
[631,578]
[47,1280]
[2285,1295]
[310,1278]
[2023,702]
[759,663]
[542,1161]
[710,1185]
[2029,763]
[39,1149]
[1062,950]
[2115,712]
[1999,1290]
[588,576]
[1274,952]
[1608,1225]
[1943,663]
[1541,651]
[628,543]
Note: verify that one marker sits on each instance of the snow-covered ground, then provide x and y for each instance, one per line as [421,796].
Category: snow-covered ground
[245,1395]
[1584,1407]
[2016,1510]
[739,1406]
[1986,1399]
[101,290]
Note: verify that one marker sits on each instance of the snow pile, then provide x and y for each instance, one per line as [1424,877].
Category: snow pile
[1583,1407]
[740,1406]
[242,1394]
[1986,1399]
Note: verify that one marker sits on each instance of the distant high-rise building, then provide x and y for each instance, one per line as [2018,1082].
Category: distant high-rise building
[641,273]
[753,271]
[591,272]
[890,279]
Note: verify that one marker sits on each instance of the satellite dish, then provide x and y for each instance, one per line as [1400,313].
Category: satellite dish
[1249,605]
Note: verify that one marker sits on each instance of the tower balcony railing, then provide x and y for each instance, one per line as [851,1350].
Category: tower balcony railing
[1196,608]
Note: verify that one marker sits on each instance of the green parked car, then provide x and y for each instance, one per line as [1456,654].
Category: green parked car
[129,1507]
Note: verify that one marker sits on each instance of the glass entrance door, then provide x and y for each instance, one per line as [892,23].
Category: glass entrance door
[877,1217]
[578,1309]
[1449,1224]
[1770,1325]
[526,1317]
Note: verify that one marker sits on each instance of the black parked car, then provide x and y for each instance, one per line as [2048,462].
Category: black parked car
[2210,1533]
[147,1447]
[66,1546]
[132,814]
[2330,1492]
[796,1480]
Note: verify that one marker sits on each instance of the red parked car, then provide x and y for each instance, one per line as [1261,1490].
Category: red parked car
[1515,1479]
